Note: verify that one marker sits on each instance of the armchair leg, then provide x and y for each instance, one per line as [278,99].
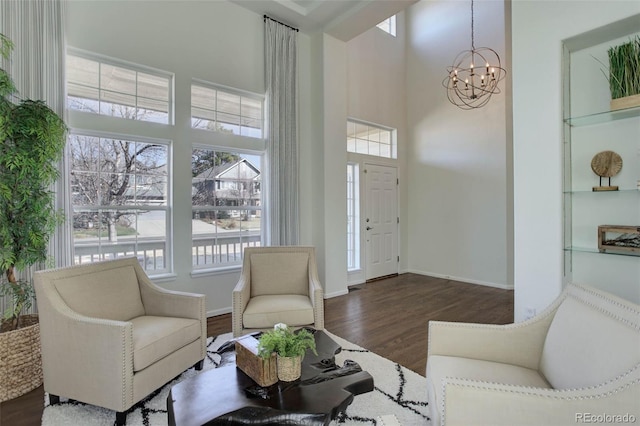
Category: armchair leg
[121,418]
[54,399]
[198,365]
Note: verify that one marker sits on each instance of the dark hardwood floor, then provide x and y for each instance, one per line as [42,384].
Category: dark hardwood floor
[388,317]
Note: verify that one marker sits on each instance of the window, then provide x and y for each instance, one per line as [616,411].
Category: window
[120,199]
[226,110]
[388,25]
[363,138]
[109,87]
[353,217]
[227,206]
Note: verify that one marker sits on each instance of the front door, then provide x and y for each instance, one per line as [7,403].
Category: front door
[381,221]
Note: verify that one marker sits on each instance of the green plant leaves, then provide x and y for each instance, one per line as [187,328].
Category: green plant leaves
[624,69]
[33,138]
[285,342]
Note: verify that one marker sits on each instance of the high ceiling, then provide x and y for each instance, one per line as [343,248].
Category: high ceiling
[342,19]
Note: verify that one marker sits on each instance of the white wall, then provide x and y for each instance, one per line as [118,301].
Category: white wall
[214,41]
[538,29]
[377,94]
[458,205]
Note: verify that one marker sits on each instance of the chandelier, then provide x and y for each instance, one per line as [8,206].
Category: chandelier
[474,75]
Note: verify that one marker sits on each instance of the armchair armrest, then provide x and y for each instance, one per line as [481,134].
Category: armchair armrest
[78,355]
[316,294]
[240,298]
[169,303]
[469,402]
[518,344]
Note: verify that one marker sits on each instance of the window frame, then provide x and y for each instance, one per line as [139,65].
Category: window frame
[353,217]
[168,208]
[393,146]
[138,68]
[391,25]
[231,91]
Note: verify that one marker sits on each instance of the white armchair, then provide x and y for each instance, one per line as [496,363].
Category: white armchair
[577,360]
[110,336]
[277,285]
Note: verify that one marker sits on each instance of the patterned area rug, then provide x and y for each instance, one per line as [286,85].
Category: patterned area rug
[399,397]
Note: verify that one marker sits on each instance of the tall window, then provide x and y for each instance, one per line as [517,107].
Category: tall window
[120,185]
[226,110]
[365,138]
[227,206]
[388,25]
[120,195]
[109,87]
[353,217]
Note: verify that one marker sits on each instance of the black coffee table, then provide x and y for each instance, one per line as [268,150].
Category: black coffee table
[227,396]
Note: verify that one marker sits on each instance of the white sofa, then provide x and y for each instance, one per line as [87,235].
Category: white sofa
[576,362]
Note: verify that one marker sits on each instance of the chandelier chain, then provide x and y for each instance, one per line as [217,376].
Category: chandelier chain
[473,45]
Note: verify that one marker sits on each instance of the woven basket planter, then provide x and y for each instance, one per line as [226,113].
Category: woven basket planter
[20,360]
[289,368]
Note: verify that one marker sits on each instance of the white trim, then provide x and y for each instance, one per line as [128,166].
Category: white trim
[336,294]
[461,279]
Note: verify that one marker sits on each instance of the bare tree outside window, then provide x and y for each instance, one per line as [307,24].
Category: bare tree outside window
[116,183]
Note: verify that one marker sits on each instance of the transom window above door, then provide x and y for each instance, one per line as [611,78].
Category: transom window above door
[370,139]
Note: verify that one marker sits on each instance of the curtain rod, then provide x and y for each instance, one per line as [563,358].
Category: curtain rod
[281,23]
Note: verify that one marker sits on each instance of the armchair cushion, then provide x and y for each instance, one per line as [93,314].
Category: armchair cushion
[279,273]
[291,309]
[109,294]
[156,337]
[579,346]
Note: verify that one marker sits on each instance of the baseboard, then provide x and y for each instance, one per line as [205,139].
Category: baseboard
[336,294]
[221,311]
[461,279]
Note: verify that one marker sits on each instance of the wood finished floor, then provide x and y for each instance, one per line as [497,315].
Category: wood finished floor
[388,317]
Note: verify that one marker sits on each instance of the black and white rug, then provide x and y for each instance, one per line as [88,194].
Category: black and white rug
[399,397]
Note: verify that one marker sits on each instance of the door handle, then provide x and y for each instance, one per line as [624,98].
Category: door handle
[368,228]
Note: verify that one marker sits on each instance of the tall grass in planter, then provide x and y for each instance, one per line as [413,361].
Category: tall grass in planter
[624,74]
[33,138]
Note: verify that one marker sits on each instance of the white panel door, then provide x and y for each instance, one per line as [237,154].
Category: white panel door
[381,221]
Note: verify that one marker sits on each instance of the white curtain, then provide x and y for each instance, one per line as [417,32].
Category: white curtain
[36,66]
[281,48]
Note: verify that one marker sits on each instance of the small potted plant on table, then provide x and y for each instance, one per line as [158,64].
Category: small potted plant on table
[290,348]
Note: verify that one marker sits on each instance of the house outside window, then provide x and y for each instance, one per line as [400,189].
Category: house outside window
[227,206]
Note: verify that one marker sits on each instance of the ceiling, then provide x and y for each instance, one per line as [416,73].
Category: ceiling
[342,19]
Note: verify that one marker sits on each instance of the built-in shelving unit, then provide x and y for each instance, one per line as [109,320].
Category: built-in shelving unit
[590,127]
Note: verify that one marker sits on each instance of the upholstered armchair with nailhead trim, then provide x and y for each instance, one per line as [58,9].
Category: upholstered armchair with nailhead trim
[277,285]
[110,336]
[576,361]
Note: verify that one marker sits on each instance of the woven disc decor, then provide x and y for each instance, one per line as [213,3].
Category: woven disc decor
[606,164]
[20,360]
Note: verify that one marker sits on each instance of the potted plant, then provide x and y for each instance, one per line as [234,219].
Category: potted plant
[624,74]
[33,138]
[289,347]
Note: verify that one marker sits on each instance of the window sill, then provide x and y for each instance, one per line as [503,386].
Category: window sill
[217,271]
